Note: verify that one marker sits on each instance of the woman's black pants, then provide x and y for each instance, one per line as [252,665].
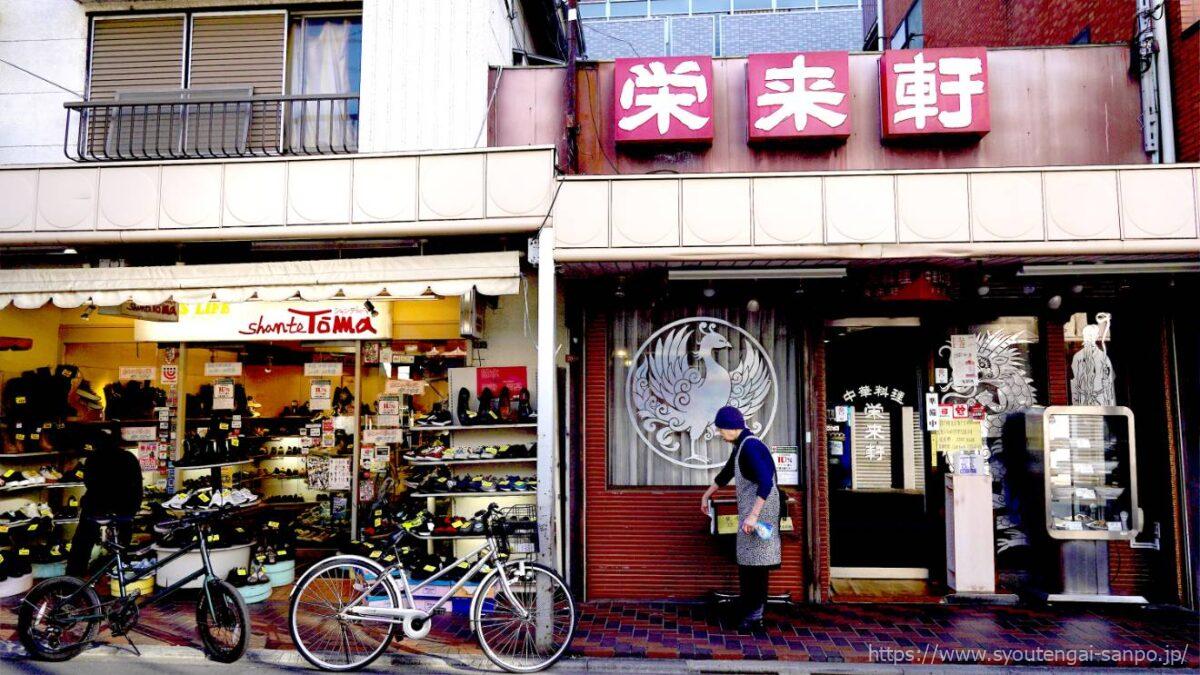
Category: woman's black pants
[753,580]
[87,535]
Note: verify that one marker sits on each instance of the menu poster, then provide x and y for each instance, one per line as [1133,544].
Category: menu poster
[956,435]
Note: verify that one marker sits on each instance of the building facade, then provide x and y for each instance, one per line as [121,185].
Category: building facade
[305,192]
[616,28]
[853,253]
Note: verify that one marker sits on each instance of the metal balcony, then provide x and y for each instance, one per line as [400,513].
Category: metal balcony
[210,123]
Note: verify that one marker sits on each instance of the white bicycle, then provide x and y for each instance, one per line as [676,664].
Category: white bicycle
[345,610]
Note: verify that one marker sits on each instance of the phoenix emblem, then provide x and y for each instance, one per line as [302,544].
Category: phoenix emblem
[678,383]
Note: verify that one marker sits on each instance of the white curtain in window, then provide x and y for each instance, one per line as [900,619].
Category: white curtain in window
[323,67]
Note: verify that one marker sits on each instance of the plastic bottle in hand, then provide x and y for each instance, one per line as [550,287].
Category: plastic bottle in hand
[763,530]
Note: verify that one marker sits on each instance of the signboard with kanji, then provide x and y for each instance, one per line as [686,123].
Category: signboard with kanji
[934,91]
[791,96]
[663,100]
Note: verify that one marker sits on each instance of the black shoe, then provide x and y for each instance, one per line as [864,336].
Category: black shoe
[465,417]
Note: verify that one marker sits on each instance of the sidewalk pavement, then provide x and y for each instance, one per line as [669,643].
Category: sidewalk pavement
[672,637]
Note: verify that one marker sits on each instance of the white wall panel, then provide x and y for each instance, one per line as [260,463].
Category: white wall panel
[425,72]
[1081,205]
[518,184]
[451,186]
[254,193]
[715,211]
[860,209]
[67,199]
[128,198]
[385,189]
[1007,207]
[581,214]
[191,196]
[319,192]
[48,37]
[19,190]
[1151,207]
[788,211]
[932,207]
[645,213]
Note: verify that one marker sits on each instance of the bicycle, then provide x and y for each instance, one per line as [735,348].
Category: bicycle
[344,611]
[60,616]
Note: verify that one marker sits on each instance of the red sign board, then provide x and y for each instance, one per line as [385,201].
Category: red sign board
[495,379]
[804,95]
[934,91]
[663,100]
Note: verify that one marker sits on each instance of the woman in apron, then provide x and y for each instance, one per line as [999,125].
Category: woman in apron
[752,470]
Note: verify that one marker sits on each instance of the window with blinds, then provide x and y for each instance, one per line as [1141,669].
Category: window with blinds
[198,108]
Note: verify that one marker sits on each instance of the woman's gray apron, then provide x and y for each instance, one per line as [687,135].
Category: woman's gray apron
[751,550]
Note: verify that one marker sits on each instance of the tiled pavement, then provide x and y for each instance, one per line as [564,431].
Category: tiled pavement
[828,633]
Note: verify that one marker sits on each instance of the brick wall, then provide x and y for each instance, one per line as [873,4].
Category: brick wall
[613,39]
[1185,79]
[653,543]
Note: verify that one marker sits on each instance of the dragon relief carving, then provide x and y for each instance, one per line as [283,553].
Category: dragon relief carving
[1004,385]
[675,390]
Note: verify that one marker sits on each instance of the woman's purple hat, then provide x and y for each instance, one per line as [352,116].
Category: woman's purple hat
[730,417]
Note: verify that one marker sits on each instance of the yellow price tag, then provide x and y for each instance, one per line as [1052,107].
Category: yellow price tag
[20,437]
[375,554]
[33,527]
[23,551]
[224,426]
[272,524]
[20,400]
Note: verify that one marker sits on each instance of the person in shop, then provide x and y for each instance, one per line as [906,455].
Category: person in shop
[752,471]
[112,479]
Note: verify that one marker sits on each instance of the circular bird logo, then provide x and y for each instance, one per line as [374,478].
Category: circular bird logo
[684,373]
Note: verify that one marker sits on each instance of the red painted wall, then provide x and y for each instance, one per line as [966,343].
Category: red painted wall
[653,543]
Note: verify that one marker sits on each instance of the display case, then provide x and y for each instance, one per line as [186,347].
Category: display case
[1090,472]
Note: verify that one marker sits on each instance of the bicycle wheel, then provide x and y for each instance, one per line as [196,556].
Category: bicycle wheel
[321,631]
[529,628]
[225,631]
[46,621]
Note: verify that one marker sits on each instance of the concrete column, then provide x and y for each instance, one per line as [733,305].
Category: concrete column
[547,399]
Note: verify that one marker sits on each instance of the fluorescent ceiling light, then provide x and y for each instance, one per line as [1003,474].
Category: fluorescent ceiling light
[758,273]
[1106,268]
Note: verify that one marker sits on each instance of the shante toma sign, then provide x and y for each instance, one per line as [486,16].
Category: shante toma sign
[245,321]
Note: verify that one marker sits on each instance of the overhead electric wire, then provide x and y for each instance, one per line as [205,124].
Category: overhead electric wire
[43,79]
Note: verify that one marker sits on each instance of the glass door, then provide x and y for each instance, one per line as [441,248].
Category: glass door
[875,376]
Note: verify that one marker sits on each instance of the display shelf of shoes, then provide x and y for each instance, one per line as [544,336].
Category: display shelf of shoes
[481,495]
[39,486]
[475,427]
[218,465]
[462,462]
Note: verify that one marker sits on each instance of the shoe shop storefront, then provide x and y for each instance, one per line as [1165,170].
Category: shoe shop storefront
[321,403]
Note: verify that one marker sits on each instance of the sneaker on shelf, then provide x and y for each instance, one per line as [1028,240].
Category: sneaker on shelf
[177,501]
[33,477]
[48,473]
[440,417]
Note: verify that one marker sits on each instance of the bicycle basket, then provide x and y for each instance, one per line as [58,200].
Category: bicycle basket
[515,529]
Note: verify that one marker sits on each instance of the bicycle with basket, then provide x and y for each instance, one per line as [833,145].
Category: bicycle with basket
[344,611]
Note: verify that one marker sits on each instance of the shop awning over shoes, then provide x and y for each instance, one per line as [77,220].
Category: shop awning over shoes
[493,273]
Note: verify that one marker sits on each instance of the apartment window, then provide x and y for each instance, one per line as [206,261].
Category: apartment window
[666,7]
[710,6]
[751,5]
[325,61]
[206,84]
[626,8]
[593,9]
[798,4]
[910,34]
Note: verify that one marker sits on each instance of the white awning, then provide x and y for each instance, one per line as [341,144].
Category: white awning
[496,273]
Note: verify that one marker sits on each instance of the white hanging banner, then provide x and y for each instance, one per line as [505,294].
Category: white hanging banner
[135,373]
[223,369]
[324,369]
[245,321]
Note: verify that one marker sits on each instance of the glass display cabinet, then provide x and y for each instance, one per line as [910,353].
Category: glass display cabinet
[1090,473]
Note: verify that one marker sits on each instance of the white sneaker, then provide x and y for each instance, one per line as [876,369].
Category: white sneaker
[243,496]
[177,501]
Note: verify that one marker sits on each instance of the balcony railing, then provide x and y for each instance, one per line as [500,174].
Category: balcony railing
[198,124]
